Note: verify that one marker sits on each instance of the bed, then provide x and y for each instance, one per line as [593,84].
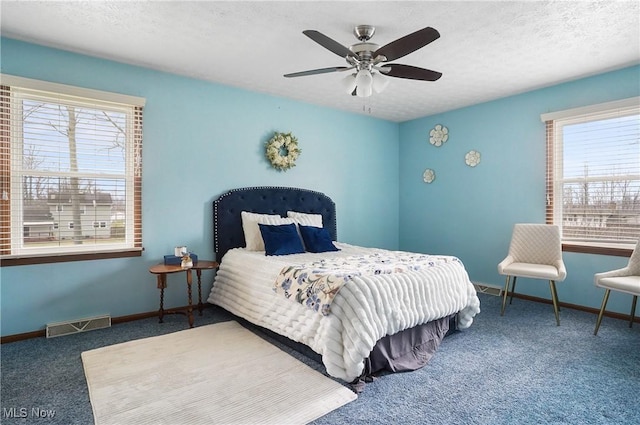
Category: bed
[390,320]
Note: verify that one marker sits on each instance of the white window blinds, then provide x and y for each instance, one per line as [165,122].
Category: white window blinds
[593,173]
[70,158]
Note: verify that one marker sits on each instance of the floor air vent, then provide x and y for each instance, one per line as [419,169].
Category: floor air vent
[82,325]
[488,289]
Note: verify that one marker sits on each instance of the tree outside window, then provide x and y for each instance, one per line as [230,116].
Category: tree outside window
[69,159]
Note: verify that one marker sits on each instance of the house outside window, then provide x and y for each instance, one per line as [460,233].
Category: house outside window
[68,155]
[593,176]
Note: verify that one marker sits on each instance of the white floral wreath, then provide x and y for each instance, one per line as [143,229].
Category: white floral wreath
[282,151]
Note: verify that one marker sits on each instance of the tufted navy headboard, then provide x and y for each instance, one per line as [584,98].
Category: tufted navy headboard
[227,223]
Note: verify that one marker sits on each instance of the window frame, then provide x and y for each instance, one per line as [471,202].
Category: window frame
[581,114]
[134,106]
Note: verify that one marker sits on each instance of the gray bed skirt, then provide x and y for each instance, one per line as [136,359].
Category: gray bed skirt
[407,350]
[404,351]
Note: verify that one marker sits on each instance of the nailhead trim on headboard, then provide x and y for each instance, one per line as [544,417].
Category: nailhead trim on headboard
[227,222]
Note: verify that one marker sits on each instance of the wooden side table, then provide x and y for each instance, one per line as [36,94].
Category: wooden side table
[161,271]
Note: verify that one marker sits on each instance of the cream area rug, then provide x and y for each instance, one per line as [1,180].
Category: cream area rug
[214,374]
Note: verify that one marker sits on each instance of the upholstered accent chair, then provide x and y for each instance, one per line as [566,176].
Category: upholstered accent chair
[626,279]
[535,252]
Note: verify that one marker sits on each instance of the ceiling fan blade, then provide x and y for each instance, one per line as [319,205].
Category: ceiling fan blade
[329,43]
[410,72]
[407,44]
[317,71]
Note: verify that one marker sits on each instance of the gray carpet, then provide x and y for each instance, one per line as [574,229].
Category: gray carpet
[516,369]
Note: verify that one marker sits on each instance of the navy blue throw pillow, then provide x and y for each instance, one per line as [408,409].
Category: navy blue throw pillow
[281,239]
[317,239]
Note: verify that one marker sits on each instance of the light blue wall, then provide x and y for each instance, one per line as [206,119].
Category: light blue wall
[470,212]
[200,139]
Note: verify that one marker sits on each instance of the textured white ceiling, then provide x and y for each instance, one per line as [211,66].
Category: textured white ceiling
[487,50]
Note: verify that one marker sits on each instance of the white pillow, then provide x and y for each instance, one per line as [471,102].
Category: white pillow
[305,219]
[252,235]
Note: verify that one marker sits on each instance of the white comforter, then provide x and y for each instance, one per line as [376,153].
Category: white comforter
[364,310]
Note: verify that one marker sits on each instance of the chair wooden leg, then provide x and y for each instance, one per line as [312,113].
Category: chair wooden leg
[504,295]
[513,289]
[604,305]
[554,298]
[633,310]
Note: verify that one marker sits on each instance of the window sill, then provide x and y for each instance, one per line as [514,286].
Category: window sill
[23,261]
[597,249]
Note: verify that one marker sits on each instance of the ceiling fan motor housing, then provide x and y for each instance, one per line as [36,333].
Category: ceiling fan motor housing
[364,50]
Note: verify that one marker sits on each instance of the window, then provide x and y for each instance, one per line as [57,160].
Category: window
[68,153]
[593,176]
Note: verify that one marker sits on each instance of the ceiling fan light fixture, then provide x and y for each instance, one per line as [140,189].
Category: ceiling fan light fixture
[349,83]
[380,82]
[364,83]
[364,91]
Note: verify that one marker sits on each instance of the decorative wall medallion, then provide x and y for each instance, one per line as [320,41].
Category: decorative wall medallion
[438,135]
[429,175]
[472,158]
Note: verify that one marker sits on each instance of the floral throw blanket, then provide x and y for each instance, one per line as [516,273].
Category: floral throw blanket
[316,284]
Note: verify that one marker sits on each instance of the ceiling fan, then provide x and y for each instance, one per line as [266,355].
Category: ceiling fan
[369,61]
